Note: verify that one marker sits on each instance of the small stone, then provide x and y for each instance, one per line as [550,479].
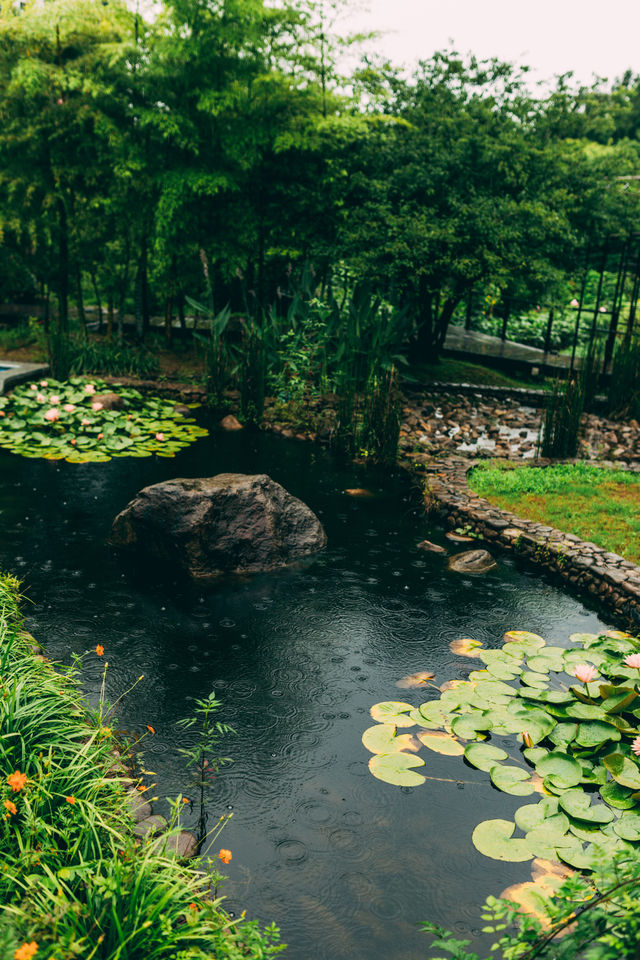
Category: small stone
[231,423]
[150,826]
[182,845]
[138,807]
[431,547]
[109,401]
[459,538]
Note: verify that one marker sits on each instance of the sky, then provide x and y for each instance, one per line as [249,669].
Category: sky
[551,36]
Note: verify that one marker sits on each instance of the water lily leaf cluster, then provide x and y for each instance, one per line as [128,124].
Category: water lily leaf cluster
[74,421]
[575,716]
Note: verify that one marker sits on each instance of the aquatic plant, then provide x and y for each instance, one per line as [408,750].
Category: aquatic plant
[579,743]
[69,421]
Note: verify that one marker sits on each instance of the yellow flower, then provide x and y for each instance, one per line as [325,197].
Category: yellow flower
[106,731]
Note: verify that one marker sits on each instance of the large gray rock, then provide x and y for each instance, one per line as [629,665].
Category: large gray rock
[232,523]
[472,561]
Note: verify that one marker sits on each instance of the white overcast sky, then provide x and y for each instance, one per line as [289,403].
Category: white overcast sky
[551,36]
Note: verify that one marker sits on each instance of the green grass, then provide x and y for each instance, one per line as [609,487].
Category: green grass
[73,880]
[595,504]
[450,370]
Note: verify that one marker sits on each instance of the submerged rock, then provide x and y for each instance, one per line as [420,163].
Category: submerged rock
[109,401]
[231,423]
[472,561]
[231,523]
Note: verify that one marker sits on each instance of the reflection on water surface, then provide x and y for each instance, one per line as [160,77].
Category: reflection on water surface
[345,864]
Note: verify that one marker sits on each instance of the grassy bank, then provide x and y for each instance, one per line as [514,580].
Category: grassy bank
[596,504]
[451,370]
[74,883]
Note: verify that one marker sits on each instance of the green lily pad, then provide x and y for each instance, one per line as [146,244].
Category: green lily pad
[594,733]
[585,711]
[533,679]
[531,815]
[397,768]
[617,796]
[532,640]
[564,770]
[503,671]
[577,804]
[545,839]
[628,826]
[483,756]
[536,723]
[623,770]
[431,713]
[583,638]
[563,734]
[468,725]
[392,711]
[534,754]
[441,743]
[380,738]
[512,780]
[492,839]
[576,855]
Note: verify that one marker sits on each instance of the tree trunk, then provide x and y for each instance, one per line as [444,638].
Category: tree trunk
[96,291]
[63,269]
[110,317]
[80,303]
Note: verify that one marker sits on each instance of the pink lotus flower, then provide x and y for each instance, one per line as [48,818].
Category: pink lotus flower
[33,386]
[44,383]
[54,400]
[100,436]
[633,660]
[52,414]
[41,398]
[635,747]
[574,303]
[585,672]
[73,441]
[89,388]
[2,413]
[86,423]
[159,436]
[96,406]
[69,407]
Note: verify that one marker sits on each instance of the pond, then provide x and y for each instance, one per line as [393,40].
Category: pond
[345,864]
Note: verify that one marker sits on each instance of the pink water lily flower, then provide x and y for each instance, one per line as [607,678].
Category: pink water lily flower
[86,423]
[52,414]
[635,747]
[33,386]
[96,406]
[44,383]
[41,398]
[159,436]
[633,660]
[89,388]
[585,672]
[54,400]
[69,407]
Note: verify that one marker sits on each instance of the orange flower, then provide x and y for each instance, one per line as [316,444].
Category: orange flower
[185,799]
[17,780]
[26,951]
[11,807]
[151,730]
[100,650]
[225,855]
[193,906]
[70,800]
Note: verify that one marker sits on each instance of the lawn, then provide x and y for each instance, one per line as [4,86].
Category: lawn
[596,504]
[450,370]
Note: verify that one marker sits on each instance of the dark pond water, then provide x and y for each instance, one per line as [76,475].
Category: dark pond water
[346,865]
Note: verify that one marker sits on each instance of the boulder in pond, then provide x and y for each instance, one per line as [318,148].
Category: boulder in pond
[472,561]
[231,523]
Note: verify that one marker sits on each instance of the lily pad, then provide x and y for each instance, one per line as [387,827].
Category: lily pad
[594,733]
[533,679]
[623,770]
[484,756]
[617,796]
[563,769]
[392,711]
[628,826]
[380,738]
[441,743]
[545,839]
[492,839]
[397,768]
[532,640]
[512,780]
[577,804]
[563,734]
[531,815]
[465,647]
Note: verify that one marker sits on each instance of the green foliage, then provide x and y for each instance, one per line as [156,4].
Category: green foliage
[202,760]
[596,917]
[579,745]
[66,841]
[111,358]
[558,478]
[68,421]
[623,394]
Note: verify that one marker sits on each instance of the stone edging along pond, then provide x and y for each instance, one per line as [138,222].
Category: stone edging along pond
[581,564]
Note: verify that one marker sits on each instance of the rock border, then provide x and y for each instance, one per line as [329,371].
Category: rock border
[582,565]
